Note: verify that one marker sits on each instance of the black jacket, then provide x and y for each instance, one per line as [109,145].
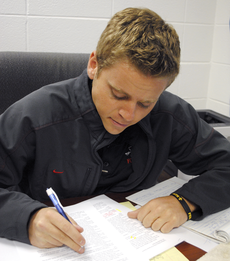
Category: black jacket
[51,138]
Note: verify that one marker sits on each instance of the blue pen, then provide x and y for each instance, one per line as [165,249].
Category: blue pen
[54,198]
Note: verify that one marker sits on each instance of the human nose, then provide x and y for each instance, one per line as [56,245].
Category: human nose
[127,111]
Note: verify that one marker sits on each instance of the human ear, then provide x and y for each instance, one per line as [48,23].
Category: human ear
[92,65]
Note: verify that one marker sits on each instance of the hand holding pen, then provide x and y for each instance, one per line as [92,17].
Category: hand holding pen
[48,229]
[57,204]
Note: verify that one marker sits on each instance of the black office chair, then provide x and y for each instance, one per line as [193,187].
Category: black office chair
[24,72]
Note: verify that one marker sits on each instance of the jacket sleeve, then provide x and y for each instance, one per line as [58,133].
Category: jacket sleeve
[16,156]
[205,153]
[15,211]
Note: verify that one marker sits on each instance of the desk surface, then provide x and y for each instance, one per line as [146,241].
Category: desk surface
[191,252]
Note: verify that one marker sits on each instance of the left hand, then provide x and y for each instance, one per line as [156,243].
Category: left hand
[162,214]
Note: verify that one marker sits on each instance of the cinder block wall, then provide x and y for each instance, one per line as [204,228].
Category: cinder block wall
[75,26]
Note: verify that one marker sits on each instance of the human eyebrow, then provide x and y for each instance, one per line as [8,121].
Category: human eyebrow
[116,91]
[148,101]
[146,104]
[125,96]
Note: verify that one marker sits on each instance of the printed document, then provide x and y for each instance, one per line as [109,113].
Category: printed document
[110,235]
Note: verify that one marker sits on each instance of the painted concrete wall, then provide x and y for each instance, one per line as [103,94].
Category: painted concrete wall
[75,26]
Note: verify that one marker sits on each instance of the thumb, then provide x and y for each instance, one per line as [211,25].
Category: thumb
[133,214]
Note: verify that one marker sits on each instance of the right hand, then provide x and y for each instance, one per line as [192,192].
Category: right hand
[48,229]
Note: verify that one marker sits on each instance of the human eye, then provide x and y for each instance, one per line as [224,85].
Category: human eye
[147,104]
[117,95]
[142,105]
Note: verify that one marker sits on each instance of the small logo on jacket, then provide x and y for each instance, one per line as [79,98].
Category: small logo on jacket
[58,172]
[129,160]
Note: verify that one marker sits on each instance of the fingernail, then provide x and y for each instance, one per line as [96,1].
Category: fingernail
[82,243]
[81,250]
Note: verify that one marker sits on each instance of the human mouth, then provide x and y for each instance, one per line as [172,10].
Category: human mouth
[118,124]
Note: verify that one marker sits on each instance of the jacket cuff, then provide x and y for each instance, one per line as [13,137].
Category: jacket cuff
[198,213]
[21,230]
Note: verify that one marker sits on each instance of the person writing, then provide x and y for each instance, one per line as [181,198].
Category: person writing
[111,129]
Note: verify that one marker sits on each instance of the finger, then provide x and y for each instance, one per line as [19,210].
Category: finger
[139,214]
[165,224]
[149,219]
[67,234]
[143,213]
[56,230]
[49,242]
[47,228]
[172,223]
[157,224]
[75,224]
[167,227]
[133,214]
[59,238]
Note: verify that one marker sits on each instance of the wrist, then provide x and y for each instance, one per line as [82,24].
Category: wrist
[184,204]
[192,206]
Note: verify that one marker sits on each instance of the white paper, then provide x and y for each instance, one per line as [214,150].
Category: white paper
[207,226]
[199,241]
[215,226]
[160,190]
[109,233]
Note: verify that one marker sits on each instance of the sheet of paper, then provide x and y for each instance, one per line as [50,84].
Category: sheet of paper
[9,252]
[173,254]
[110,235]
[128,205]
[197,240]
[210,224]
[8,248]
[207,226]
[159,190]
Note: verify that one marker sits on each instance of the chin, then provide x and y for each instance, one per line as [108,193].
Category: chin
[113,131]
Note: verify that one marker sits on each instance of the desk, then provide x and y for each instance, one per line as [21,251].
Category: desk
[189,251]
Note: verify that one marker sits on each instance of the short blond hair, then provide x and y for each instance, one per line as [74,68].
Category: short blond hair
[142,37]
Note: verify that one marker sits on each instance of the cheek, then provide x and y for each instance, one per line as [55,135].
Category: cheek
[99,93]
[97,96]
[141,113]
[103,104]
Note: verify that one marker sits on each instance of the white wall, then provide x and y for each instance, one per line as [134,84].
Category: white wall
[219,81]
[75,26]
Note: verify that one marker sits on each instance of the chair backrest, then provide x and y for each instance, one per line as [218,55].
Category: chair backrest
[24,72]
